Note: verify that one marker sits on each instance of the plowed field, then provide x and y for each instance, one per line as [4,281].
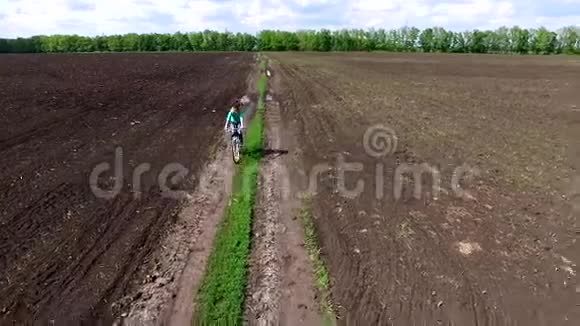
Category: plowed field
[496,246]
[65,254]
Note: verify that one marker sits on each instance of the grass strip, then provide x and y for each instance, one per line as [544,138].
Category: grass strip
[321,274]
[221,295]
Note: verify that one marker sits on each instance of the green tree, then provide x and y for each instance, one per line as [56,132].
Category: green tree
[223,42]
[100,44]
[370,40]
[409,38]
[181,42]
[477,43]
[163,42]
[426,40]
[491,42]
[502,40]
[323,40]
[4,46]
[544,41]
[195,41]
[569,39]
[442,40]
[130,42]
[519,40]
[115,43]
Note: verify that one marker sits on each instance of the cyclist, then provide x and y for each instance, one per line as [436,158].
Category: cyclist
[235,120]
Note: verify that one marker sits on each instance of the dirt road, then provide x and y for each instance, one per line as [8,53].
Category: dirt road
[505,252]
[66,255]
[281,287]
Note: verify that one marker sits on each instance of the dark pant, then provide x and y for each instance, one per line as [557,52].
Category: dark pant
[237,132]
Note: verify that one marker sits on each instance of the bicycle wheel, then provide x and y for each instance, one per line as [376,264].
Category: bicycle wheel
[236,149]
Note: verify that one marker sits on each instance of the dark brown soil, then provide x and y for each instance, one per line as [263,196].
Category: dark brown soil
[66,255]
[505,254]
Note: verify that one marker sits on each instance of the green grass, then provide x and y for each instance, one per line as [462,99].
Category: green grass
[321,275]
[221,295]
[254,140]
[263,65]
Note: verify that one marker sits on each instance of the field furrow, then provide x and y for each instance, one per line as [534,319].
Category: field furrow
[66,255]
[501,253]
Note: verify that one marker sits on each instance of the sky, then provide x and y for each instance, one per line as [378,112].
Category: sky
[97,17]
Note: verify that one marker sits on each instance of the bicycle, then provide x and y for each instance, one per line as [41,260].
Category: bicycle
[236,143]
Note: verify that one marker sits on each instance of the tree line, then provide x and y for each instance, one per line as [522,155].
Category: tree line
[407,39]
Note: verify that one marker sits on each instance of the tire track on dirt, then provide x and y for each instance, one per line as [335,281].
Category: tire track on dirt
[281,278]
[169,298]
[181,262]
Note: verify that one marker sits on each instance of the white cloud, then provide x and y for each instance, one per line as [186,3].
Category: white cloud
[305,3]
[374,5]
[27,17]
[387,14]
[259,14]
[92,17]
[475,11]
[557,22]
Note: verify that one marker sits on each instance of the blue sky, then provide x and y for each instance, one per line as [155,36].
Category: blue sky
[95,17]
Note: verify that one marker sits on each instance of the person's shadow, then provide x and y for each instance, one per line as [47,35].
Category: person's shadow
[263,153]
[274,152]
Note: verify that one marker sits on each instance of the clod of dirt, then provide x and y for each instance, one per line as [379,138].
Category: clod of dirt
[468,248]
[566,261]
[161,282]
[137,295]
[468,197]
[569,270]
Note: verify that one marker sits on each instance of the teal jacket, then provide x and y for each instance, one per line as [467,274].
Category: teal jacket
[234,117]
